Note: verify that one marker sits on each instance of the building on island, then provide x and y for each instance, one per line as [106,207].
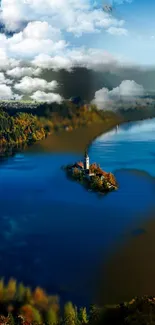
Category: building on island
[88,173]
[84,166]
[86,161]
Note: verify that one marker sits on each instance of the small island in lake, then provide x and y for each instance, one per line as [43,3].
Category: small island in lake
[92,176]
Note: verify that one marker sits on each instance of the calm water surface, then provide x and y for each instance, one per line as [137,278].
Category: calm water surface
[56,234]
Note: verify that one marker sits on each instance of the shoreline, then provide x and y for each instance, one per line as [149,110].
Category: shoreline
[75,141]
[81,138]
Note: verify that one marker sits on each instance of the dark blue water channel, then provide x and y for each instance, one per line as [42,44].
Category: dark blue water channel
[56,234]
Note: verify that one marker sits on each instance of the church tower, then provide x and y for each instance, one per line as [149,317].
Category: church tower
[86,161]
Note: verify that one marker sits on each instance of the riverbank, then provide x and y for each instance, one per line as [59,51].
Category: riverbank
[25,129]
[68,131]
[75,141]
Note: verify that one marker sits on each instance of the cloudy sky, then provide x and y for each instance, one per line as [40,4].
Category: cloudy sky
[45,43]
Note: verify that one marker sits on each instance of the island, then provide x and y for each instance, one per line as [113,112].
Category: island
[91,176]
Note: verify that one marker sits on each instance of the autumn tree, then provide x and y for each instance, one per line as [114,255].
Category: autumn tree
[111,178]
[51,317]
[28,295]
[69,314]
[21,291]
[11,289]
[83,316]
[1,289]
[77,174]
[31,314]
[97,183]
[40,298]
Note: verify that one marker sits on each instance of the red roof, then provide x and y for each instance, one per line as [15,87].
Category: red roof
[80,163]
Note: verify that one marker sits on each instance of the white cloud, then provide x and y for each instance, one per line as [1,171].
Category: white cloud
[117,31]
[56,63]
[47,97]
[3,80]
[73,16]
[95,59]
[41,30]
[128,90]
[20,72]
[5,61]
[5,92]
[28,85]
[37,37]
[92,22]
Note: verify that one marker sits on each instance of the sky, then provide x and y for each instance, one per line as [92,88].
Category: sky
[39,36]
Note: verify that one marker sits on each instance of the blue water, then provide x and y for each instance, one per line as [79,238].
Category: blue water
[56,234]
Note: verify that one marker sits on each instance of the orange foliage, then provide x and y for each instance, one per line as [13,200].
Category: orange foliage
[1,289]
[27,312]
[75,171]
[40,297]
[11,289]
[94,168]
[54,303]
[111,178]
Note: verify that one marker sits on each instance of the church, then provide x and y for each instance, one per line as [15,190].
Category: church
[86,164]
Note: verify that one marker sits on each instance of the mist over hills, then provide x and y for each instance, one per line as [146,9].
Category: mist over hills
[84,83]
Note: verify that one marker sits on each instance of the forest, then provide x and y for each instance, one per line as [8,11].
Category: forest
[19,128]
[23,125]
[22,306]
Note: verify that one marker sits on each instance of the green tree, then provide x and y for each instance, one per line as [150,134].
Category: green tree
[36,316]
[97,183]
[51,317]
[11,319]
[69,314]
[83,316]
[77,174]
[21,290]
[28,295]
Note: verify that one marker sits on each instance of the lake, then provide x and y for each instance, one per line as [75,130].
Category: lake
[57,235]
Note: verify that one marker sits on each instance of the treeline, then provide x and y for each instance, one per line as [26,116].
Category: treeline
[19,305]
[23,128]
[19,128]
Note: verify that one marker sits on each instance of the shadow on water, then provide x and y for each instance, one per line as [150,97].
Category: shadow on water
[130,267]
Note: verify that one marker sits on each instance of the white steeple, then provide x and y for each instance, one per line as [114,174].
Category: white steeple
[86,161]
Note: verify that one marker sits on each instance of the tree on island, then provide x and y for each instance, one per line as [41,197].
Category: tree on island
[97,183]
[77,174]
